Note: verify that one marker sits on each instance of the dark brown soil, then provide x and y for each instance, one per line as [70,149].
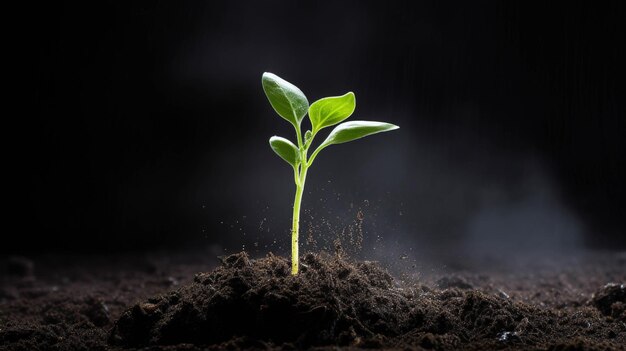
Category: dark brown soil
[247,303]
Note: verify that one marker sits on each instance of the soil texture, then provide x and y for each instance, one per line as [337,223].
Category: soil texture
[249,303]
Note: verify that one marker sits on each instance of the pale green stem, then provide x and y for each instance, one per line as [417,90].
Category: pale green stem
[296,176]
[300,178]
[299,137]
[296,221]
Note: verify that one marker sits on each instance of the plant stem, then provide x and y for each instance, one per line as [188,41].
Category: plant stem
[296,219]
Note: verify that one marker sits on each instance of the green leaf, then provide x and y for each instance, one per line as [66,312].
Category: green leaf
[329,111]
[285,149]
[286,99]
[353,130]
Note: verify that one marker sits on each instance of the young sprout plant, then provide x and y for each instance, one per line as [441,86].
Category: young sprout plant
[291,104]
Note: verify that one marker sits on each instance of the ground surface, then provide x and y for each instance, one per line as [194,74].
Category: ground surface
[178,302]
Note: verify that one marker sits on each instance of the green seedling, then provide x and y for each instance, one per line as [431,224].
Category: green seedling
[291,104]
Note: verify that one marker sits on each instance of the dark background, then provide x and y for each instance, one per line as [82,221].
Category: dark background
[144,125]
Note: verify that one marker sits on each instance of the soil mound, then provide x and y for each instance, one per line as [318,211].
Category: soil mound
[335,301]
[330,300]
